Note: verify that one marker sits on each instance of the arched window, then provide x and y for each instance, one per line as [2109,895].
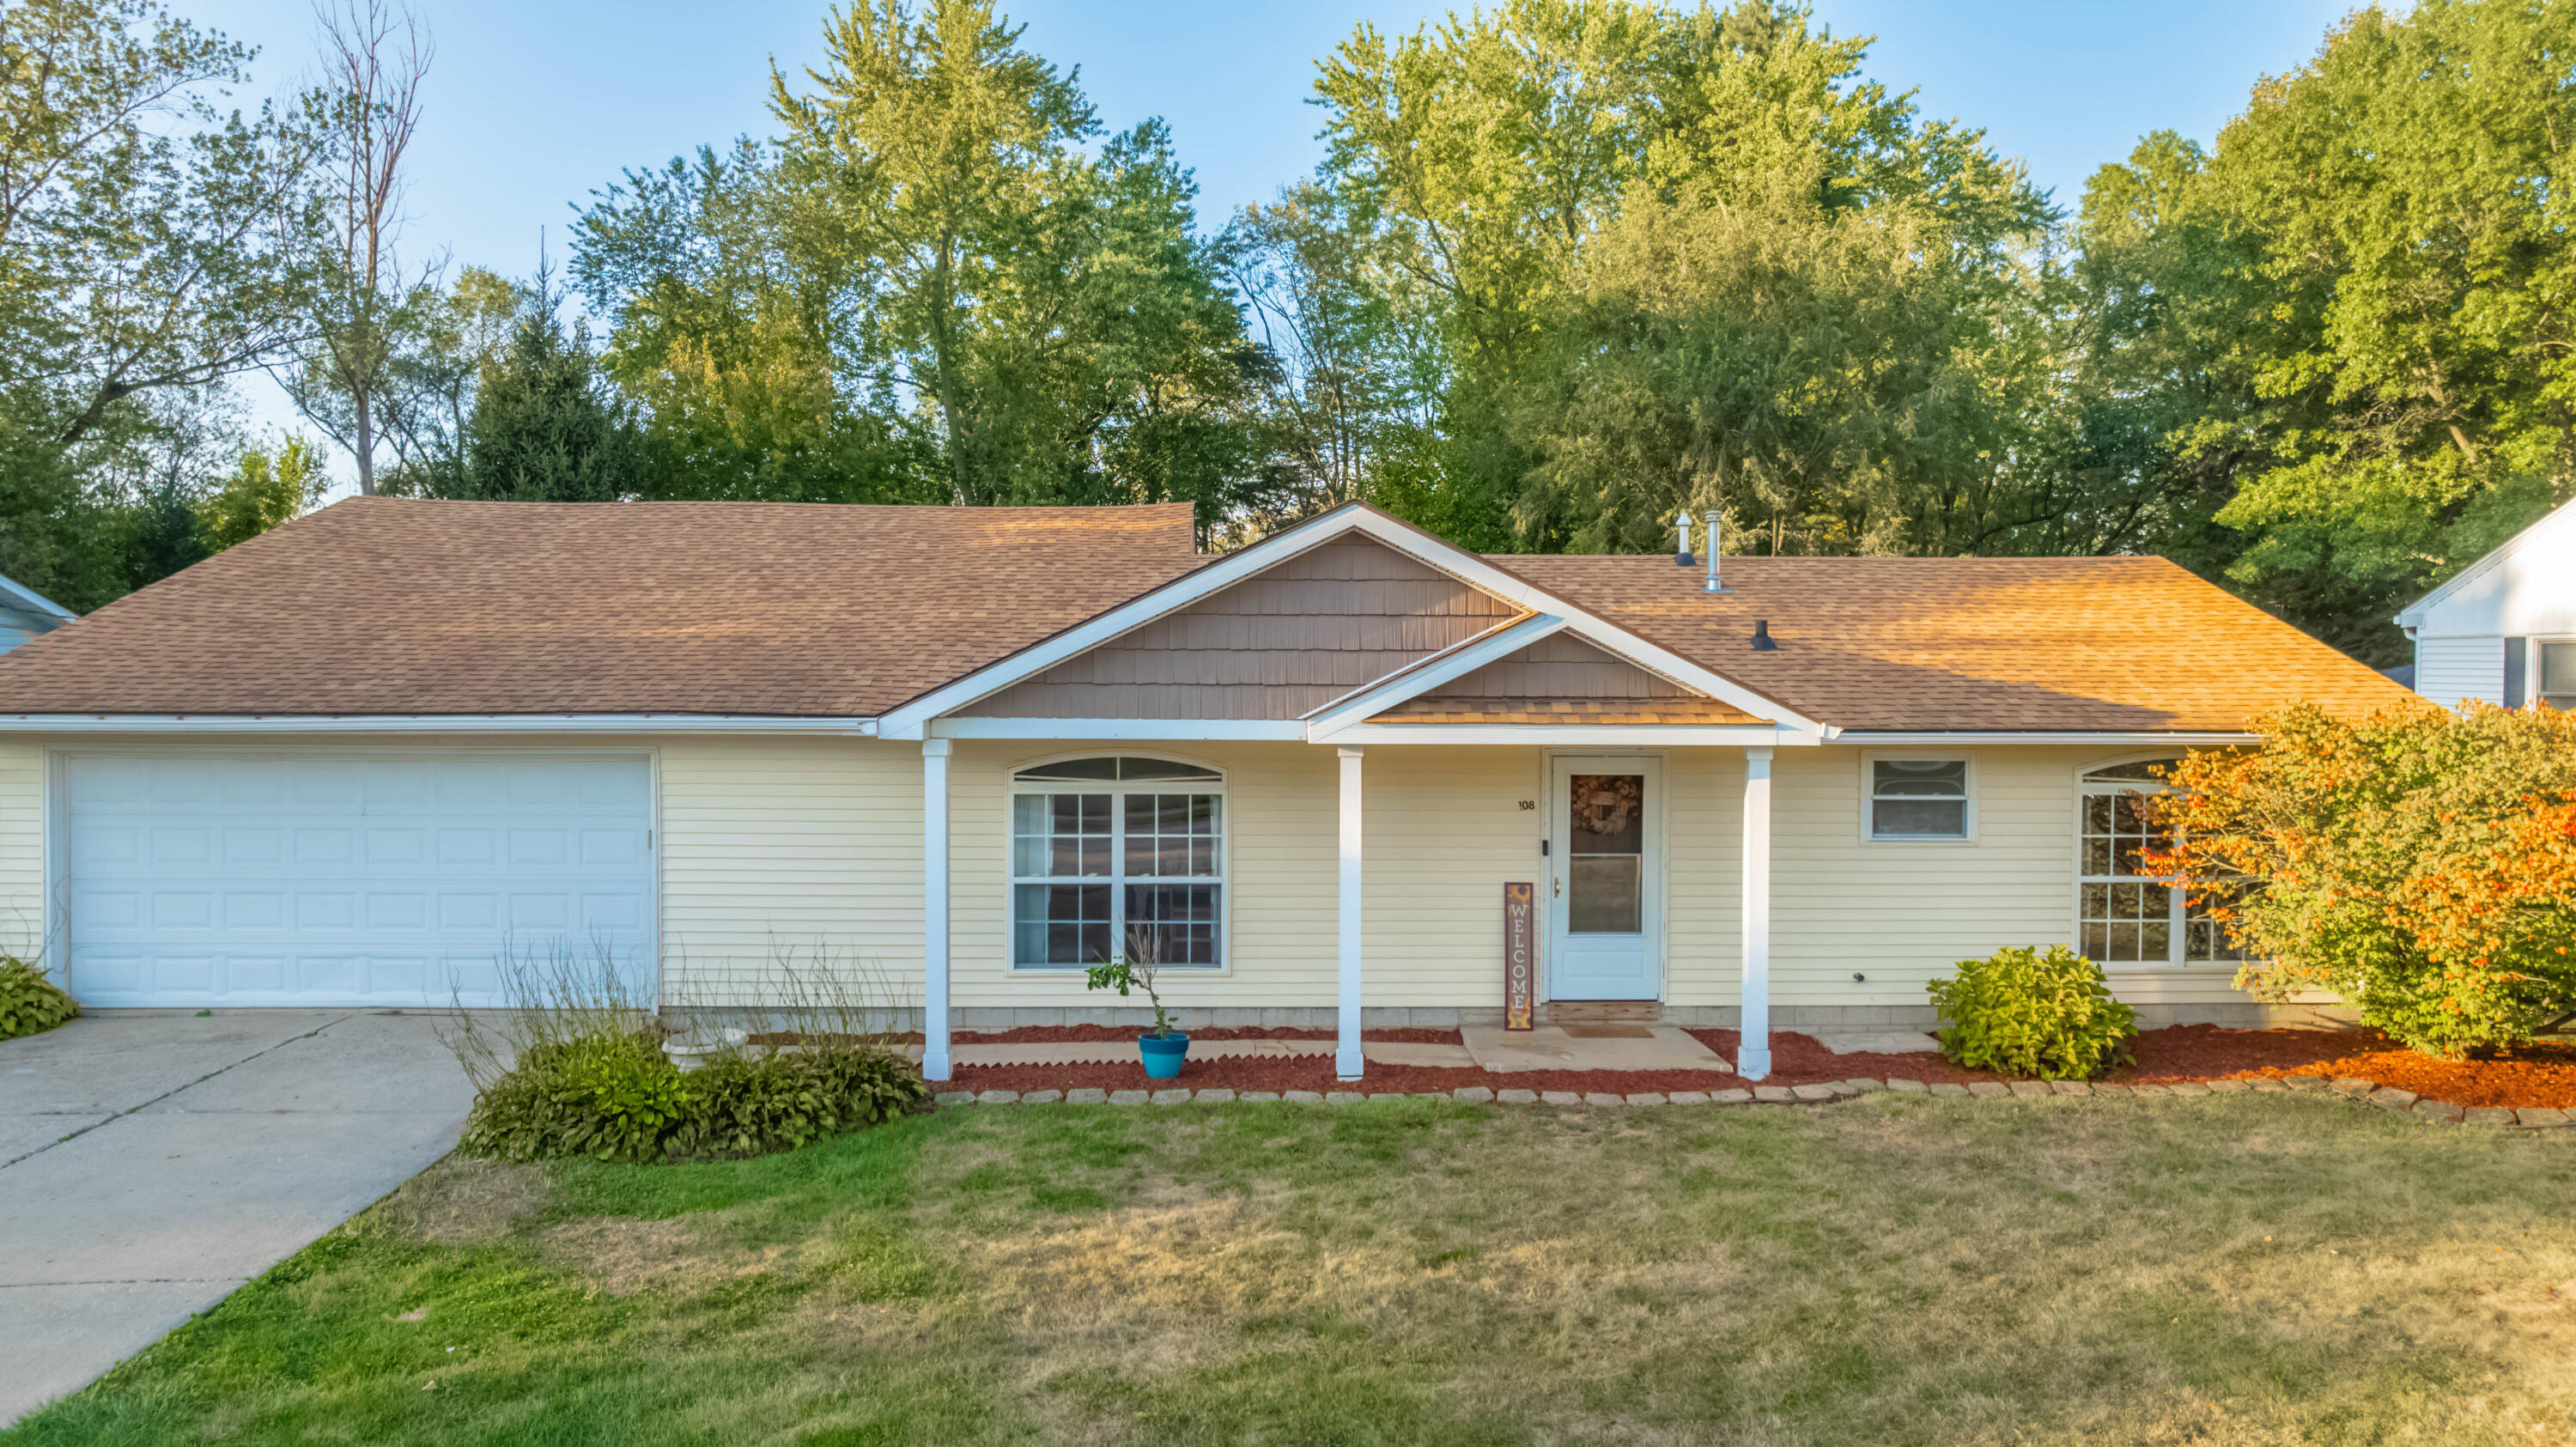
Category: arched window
[2126,916]
[1115,857]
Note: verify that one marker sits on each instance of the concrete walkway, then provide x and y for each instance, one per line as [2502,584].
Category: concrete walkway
[150,1164]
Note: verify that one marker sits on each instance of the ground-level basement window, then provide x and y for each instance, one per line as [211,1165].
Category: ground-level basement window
[1115,857]
[2126,916]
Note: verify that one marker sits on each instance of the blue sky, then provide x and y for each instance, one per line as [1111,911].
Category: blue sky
[532,104]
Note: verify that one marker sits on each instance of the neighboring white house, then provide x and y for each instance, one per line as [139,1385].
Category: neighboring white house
[24,613]
[2504,630]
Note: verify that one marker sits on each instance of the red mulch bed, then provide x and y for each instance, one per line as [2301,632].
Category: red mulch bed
[2541,1075]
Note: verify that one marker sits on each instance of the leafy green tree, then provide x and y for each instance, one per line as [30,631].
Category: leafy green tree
[1593,197]
[1352,389]
[940,282]
[546,426]
[2352,319]
[152,246]
[264,490]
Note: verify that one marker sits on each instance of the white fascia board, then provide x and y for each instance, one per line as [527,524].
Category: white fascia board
[1966,738]
[507,723]
[1457,662]
[1577,735]
[1142,729]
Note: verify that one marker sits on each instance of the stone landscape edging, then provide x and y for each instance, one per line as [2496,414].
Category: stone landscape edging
[2386,1097]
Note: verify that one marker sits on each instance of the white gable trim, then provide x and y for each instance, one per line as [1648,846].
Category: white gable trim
[2413,616]
[911,721]
[1362,703]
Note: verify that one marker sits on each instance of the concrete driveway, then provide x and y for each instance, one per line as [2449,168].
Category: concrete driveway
[149,1164]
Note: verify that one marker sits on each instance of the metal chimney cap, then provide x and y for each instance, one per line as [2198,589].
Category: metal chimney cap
[1681,552]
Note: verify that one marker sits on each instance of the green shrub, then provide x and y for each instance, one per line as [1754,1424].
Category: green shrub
[2024,1012]
[615,1096]
[29,1003]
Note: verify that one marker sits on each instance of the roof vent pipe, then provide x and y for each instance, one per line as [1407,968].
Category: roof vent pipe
[1681,551]
[1762,637]
[1712,554]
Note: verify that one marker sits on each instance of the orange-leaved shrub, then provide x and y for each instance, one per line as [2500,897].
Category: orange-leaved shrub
[2419,863]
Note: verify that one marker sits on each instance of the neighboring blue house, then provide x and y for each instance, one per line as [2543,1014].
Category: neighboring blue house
[24,613]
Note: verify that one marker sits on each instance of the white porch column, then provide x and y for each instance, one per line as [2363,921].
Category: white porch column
[1347,1057]
[1753,1051]
[934,909]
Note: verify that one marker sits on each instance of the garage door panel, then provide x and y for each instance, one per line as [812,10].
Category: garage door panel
[368,881]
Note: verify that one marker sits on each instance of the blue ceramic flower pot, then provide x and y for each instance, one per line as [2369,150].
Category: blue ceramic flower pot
[1164,1054]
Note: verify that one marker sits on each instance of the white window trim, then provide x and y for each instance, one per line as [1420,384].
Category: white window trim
[1117,880]
[2531,664]
[1870,759]
[2173,964]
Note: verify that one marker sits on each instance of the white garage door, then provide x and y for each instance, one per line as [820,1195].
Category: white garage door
[354,880]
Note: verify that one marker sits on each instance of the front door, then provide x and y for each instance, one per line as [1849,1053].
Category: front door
[1605,891]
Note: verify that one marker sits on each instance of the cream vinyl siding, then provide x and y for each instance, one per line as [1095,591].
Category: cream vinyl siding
[22,849]
[2448,670]
[1905,912]
[1279,884]
[1703,876]
[789,846]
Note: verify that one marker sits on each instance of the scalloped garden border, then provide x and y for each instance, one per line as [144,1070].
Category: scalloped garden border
[2386,1097]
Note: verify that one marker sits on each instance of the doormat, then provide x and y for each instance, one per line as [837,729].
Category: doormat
[1608,1032]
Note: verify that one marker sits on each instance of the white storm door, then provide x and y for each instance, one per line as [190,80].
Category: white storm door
[1605,888]
[338,879]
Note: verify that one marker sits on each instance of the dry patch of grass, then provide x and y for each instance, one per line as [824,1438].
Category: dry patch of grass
[2254,1270]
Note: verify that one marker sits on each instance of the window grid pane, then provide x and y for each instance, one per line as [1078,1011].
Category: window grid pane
[2125,915]
[1091,870]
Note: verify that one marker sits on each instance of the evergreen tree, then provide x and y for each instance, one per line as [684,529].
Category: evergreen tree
[546,427]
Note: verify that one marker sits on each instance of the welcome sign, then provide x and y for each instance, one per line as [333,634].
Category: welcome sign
[1520,967]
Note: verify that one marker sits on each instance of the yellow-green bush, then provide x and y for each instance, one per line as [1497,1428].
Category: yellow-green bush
[2044,1014]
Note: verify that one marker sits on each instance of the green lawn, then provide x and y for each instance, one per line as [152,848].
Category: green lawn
[1884,1270]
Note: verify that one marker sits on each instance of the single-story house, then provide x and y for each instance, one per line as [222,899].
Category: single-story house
[2503,630]
[972,750]
[24,613]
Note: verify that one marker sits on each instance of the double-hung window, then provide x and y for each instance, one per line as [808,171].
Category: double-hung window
[1117,858]
[1919,799]
[2125,915]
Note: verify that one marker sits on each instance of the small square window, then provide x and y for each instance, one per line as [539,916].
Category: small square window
[1918,799]
[2558,673]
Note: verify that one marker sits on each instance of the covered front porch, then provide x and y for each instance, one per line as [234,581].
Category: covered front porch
[1352,885]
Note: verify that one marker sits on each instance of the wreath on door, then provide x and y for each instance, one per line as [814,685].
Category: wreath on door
[1606,803]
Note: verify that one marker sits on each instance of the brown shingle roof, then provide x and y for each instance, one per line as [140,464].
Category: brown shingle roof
[1999,644]
[387,606]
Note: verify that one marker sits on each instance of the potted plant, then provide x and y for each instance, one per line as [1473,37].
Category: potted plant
[1163,1047]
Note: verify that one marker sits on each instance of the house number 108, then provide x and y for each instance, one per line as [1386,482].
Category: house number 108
[1529,804]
